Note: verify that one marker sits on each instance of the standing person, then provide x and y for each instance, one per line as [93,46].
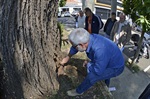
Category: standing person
[93,23]
[76,19]
[121,31]
[81,20]
[104,63]
[109,24]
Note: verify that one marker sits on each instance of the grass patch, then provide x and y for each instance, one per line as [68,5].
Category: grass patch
[134,68]
[60,26]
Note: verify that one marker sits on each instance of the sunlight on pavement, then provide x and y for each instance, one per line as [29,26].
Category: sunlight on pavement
[147,68]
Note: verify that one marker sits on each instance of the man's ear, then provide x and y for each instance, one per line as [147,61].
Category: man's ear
[86,44]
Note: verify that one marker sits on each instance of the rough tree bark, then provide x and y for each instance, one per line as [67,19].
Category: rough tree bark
[29,48]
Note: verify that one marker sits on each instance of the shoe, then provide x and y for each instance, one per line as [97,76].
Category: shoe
[73,93]
[112,89]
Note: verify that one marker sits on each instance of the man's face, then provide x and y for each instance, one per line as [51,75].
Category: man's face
[113,16]
[122,18]
[81,14]
[81,48]
[87,13]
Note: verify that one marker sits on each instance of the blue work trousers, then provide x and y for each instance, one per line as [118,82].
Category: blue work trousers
[92,78]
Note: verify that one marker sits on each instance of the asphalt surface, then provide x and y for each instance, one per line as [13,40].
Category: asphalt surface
[128,85]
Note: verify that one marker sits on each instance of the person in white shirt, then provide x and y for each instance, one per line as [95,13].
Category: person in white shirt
[81,20]
[121,32]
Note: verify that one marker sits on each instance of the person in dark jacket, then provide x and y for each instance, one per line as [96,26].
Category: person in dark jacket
[76,20]
[109,24]
[93,23]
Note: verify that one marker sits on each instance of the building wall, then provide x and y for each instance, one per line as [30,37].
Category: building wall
[104,1]
[103,8]
[71,5]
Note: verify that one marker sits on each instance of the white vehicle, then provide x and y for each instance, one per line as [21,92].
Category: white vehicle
[138,28]
[59,14]
[74,13]
[147,37]
[67,14]
[62,15]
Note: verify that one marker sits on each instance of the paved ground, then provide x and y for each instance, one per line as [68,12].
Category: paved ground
[129,85]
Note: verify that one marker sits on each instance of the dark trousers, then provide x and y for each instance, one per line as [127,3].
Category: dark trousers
[92,78]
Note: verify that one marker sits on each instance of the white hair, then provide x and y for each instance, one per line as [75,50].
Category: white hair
[78,36]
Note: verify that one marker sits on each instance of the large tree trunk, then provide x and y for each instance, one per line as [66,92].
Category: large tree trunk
[29,48]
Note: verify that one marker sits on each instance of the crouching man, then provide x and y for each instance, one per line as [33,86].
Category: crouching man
[106,59]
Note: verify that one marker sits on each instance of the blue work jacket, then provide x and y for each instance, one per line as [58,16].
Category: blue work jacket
[103,54]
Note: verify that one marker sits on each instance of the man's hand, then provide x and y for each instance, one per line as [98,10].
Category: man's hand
[85,63]
[65,60]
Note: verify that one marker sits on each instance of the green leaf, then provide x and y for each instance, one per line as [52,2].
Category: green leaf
[139,11]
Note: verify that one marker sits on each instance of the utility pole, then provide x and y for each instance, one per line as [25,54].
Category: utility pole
[88,3]
[113,5]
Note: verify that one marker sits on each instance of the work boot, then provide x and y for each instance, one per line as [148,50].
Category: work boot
[73,93]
